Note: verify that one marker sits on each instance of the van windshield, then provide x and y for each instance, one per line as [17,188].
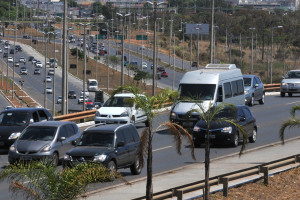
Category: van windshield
[197,91]
[93,83]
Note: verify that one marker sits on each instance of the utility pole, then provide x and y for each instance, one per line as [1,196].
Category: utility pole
[64,109]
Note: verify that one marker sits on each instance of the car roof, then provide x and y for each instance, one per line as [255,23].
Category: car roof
[107,127]
[51,123]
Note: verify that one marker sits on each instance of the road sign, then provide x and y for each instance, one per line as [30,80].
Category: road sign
[141,37]
[102,36]
[119,37]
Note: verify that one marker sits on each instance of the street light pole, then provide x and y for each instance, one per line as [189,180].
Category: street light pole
[198,28]
[271,80]
[252,29]
[182,44]
[64,109]
[171,27]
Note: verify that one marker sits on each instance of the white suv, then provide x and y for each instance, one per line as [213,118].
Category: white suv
[121,109]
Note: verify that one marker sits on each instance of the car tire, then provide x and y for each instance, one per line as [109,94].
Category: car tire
[251,101]
[136,168]
[282,94]
[290,94]
[252,139]
[112,167]
[147,123]
[55,159]
[235,141]
[262,100]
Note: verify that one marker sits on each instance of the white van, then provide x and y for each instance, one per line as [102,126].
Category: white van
[92,85]
[214,84]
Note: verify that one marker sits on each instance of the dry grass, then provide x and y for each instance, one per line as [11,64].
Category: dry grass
[285,185]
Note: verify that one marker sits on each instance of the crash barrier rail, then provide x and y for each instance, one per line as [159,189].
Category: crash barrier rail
[263,171]
[272,87]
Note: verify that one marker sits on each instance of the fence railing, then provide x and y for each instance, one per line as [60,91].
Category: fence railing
[272,87]
[262,170]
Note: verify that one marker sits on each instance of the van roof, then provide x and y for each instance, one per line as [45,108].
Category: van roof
[212,74]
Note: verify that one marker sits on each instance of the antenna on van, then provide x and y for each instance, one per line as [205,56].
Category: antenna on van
[220,66]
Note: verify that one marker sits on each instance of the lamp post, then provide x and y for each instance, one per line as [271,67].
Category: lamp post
[198,28]
[13,77]
[64,109]
[122,59]
[252,29]
[182,43]
[271,81]
[53,82]
[108,57]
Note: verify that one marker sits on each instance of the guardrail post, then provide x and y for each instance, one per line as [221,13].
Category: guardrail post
[178,194]
[265,170]
[225,181]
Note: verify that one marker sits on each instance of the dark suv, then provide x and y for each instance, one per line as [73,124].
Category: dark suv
[113,145]
[15,120]
[72,94]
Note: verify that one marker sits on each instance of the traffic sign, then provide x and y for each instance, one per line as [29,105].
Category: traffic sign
[141,37]
[119,37]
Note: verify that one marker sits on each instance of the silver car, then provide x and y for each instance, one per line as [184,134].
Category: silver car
[254,90]
[42,140]
[290,83]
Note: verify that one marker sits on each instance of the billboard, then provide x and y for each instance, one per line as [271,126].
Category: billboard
[191,29]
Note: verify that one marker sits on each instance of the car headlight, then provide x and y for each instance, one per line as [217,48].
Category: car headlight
[283,84]
[14,136]
[173,115]
[100,158]
[97,114]
[46,148]
[226,129]
[12,148]
[124,114]
[67,157]
[246,92]
[196,129]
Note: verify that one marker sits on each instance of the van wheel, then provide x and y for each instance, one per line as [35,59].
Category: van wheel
[282,94]
[290,94]
[132,120]
[251,101]
[252,139]
[262,100]
[235,141]
[136,168]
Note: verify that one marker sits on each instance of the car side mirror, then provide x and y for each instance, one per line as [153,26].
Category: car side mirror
[256,85]
[241,119]
[61,139]
[74,142]
[120,144]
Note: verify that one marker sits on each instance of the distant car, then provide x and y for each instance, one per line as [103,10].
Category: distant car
[44,140]
[80,99]
[13,121]
[34,61]
[254,90]
[48,79]
[11,51]
[23,71]
[39,64]
[144,65]
[22,60]
[37,71]
[49,90]
[26,36]
[290,83]
[224,132]
[160,69]
[5,55]
[142,47]
[30,58]
[86,93]
[51,72]
[6,46]
[59,100]
[101,52]
[72,94]
[194,64]
[0,50]
[18,48]
[10,59]
[17,64]
[164,74]
[113,145]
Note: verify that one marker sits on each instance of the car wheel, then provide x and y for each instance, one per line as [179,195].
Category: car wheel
[251,101]
[235,141]
[136,168]
[252,139]
[262,100]
[290,94]
[282,94]
[132,120]
[55,159]
[112,168]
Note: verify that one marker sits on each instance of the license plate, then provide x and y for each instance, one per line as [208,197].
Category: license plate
[1,143]
[27,157]
[211,136]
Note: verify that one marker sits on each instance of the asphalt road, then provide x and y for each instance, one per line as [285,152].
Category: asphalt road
[269,118]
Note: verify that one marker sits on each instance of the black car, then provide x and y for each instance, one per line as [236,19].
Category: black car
[18,48]
[225,132]
[15,120]
[30,58]
[113,145]
[194,64]
[12,51]
[5,55]
[72,94]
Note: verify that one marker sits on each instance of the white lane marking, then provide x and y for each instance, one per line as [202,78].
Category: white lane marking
[292,102]
[162,148]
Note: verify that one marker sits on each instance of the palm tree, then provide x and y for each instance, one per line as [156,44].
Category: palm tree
[293,122]
[150,106]
[41,180]
[210,116]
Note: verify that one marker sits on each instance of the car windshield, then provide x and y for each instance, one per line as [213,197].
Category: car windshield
[39,133]
[247,81]
[119,102]
[293,74]
[197,91]
[14,118]
[93,83]
[92,138]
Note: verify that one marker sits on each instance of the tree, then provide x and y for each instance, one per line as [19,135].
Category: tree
[44,181]
[290,123]
[210,116]
[150,105]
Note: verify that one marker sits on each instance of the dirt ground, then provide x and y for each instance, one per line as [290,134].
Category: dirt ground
[285,185]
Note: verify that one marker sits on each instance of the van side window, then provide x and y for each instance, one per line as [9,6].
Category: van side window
[34,117]
[220,94]
[227,90]
[240,87]
[234,88]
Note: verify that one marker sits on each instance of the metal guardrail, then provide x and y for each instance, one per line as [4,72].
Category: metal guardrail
[272,87]
[226,178]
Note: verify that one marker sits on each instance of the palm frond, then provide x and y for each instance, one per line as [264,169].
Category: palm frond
[143,146]
[294,109]
[291,123]
[17,187]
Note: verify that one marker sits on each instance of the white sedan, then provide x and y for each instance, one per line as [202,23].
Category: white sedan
[10,59]
[39,64]
[49,90]
[144,65]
